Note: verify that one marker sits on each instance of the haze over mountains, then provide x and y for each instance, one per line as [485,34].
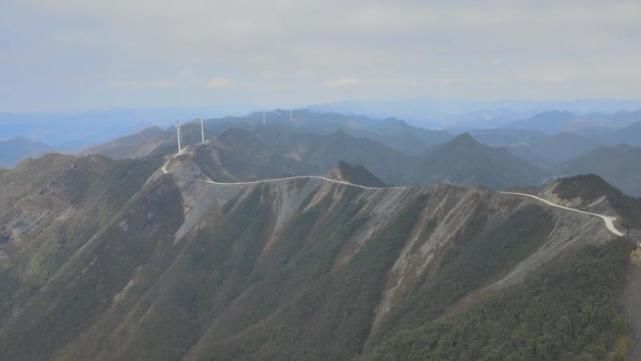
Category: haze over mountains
[618,164]
[320,180]
[15,150]
[148,259]
[398,153]
[320,235]
[83,129]
[255,151]
[466,115]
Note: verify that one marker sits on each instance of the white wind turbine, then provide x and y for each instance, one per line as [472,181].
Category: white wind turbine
[202,131]
[179,137]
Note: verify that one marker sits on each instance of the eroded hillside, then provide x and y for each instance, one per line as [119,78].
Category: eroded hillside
[181,267]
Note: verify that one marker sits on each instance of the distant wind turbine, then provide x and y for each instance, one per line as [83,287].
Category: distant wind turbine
[179,137]
[202,131]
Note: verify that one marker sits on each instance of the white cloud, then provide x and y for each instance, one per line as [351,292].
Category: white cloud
[219,83]
[142,84]
[341,83]
[303,49]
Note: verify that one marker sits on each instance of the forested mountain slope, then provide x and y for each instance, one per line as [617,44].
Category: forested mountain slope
[110,260]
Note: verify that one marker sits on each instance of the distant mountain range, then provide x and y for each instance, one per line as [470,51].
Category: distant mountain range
[540,149]
[544,139]
[308,142]
[554,122]
[253,151]
[14,150]
[461,116]
[630,135]
[392,132]
[619,165]
[466,161]
[137,145]
[75,130]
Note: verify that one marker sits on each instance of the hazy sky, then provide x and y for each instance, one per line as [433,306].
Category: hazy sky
[60,54]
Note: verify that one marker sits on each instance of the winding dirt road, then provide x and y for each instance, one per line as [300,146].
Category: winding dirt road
[609,221]
[273,180]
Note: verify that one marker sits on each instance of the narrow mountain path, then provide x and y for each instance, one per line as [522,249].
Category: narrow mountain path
[273,180]
[608,220]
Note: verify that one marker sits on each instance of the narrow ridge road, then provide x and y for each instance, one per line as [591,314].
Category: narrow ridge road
[607,220]
[273,180]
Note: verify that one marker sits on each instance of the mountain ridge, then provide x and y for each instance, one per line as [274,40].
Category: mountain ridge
[355,174]
[181,268]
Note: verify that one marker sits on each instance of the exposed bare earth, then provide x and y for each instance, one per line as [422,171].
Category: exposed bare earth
[452,206]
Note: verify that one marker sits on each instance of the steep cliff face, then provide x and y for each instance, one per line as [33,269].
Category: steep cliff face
[301,268]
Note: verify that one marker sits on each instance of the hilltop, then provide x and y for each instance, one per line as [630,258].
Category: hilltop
[355,174]
[465,161]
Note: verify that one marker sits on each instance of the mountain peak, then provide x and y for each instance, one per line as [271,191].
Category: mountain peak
[464,139]
[589,188]
[356,174]
[464,160]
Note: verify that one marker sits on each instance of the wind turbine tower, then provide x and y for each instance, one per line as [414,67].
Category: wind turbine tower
[202,131]
[264,123]
[291,115]
[179,136]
